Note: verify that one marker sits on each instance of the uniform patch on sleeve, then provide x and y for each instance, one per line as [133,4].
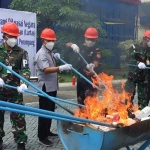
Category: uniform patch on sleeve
[25,60]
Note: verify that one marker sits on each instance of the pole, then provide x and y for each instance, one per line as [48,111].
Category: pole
[39,90]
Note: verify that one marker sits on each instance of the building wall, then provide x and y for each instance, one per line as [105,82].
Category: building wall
[144,24]
[141,30]
[5,3]
[118,19]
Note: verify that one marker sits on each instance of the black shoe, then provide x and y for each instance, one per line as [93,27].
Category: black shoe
[46,142]
[21,146]
[52,134]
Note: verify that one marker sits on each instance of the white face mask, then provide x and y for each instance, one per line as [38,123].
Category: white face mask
[11,42]
[148,44]
[50,45]
[89,43]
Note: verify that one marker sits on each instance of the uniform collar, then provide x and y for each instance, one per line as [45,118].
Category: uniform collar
[13,49]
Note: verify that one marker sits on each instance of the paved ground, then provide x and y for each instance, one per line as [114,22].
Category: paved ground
[66,92]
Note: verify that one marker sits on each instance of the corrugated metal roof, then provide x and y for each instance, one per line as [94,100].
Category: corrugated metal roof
[132,1]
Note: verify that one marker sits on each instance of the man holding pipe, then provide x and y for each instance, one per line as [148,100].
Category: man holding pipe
[92,55]
[47,81]
[139,55]
[17,59]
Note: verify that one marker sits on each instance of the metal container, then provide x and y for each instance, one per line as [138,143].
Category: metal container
[84,137]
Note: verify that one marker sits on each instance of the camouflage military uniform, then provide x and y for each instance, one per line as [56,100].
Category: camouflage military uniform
[18,60]
[90,54]
[138,77]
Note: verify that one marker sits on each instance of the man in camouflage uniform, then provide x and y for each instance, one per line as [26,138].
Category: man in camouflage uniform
[139,55]
[92,55]
[17,59]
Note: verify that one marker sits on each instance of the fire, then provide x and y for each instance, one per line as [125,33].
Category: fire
[113,107]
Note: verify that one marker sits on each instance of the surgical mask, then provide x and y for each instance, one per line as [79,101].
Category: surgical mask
[50,45]
[11,42]
[89,43]
[148,44]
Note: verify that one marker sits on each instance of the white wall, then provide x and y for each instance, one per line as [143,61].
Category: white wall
[142,29]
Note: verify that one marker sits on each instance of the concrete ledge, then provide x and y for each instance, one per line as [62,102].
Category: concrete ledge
[68,86]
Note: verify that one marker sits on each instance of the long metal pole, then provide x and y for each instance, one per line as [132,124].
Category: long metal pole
[39,90]
[80,75]
[36,114]
[35,93]
[95,73]
[40,111]
[136,66]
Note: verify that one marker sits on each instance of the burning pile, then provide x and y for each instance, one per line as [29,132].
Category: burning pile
[114,107]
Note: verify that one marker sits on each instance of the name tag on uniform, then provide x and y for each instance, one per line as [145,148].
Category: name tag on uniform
[10,67]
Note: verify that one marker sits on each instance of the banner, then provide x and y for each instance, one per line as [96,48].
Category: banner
[26,21]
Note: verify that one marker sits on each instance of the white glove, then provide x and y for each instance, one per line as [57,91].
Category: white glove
[75,48]
[65,67]
[1,82]
[21,88]
[56,56]
[141,65]
[90,66]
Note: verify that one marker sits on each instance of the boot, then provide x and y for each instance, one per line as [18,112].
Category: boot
[21,146]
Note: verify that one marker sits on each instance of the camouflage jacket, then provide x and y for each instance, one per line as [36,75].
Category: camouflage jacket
[18,60]
[135,55]
[91,55]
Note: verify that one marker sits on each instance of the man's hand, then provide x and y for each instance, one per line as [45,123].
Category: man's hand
[57,56]
[88,73]
[90,66]
[141,65]
[1,82]
[65,67]
[21,88]
[75,48]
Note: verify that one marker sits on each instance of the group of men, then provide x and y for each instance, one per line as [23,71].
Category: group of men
[14,57]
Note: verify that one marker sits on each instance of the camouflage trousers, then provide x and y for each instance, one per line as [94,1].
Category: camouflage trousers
[142,94]
[17,120]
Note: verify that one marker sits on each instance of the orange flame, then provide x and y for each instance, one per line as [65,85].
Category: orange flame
[113,103]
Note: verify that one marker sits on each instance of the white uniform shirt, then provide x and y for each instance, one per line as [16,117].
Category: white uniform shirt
[43,60]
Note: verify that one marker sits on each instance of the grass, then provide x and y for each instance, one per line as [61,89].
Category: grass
[68,77]
[65,77]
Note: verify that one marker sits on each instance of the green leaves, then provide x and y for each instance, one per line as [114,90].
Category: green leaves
[64,13]
[64,16]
